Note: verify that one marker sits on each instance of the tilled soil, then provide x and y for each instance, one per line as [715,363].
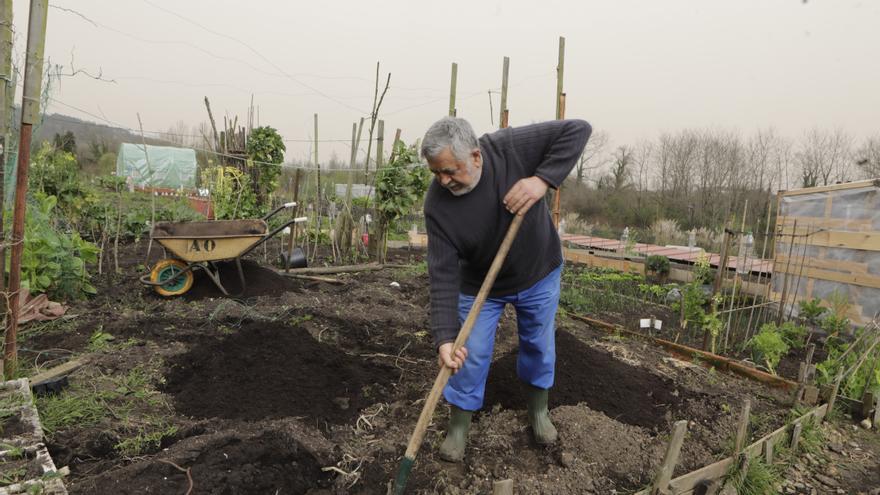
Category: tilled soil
[273,370]
[308,387]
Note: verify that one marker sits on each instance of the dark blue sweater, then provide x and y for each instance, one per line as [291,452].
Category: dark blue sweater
[465,232]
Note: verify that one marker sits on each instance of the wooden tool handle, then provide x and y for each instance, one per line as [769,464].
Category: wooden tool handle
[445,372]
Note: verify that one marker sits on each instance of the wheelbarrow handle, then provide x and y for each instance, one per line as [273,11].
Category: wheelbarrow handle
[276,210]
[272,234]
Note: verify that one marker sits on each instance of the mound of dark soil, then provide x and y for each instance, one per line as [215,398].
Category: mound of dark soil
[230,463]
[623,392]
[259,281]
[271,370]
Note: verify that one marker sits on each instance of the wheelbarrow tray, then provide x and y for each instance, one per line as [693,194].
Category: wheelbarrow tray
[215,240]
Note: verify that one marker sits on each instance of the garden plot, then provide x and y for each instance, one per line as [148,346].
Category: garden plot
[315,388]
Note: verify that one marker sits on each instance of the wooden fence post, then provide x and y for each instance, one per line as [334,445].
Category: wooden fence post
[664,475]
[833,397]
[796,437]
[742,429]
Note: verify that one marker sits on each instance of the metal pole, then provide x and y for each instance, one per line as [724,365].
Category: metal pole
[504,74]
[452,86]
[30,113]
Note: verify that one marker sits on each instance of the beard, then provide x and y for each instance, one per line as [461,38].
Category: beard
[457,189]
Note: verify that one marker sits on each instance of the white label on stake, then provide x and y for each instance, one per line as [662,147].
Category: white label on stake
[658,324]
[644,323]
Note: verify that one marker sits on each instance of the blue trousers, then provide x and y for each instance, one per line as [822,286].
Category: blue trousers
[535,316]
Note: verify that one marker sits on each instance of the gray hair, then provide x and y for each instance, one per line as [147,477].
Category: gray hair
[450,132]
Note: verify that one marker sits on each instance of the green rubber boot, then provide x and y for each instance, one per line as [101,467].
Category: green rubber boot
[452,449]
[539,416]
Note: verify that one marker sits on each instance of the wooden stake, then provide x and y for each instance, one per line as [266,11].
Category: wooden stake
[560,67]
[452,86]
[670,459]
[785,278]
[7,97]
[742,429]
[560,114]
[504,74]
[833,397]
[768,451]
[30,114]
[796,436]
[503,487]
[318,169]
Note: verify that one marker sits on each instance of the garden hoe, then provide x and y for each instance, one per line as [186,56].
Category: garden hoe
[418,435]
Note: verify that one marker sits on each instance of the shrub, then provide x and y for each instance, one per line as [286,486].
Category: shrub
[658,264]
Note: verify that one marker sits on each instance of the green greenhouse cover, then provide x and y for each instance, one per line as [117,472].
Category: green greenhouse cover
[168,167]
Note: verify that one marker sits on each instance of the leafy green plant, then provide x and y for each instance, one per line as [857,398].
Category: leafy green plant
[54,261]
[99,340]
[232,194]
[399,187]
[265,150]
[811,310]
[834,325]
[694,299]
[712,323]
[147,440]
[793,334]
[702,270]
[768,346]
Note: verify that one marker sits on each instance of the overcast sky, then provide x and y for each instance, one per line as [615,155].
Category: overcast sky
[633,68]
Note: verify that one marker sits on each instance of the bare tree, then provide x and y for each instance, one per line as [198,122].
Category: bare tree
[867,157]
[620,177]
[824,157]
[178,134]
[593,156]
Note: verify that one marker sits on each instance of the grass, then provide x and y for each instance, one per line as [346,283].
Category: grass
[758,478]
[128,405]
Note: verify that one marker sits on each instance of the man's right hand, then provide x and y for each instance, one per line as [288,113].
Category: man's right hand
[446,358]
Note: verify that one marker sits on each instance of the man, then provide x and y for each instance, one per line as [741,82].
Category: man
[478,186]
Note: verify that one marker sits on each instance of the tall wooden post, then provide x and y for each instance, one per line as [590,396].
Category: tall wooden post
[7,94]
[380,143]
[452,86]
[30,114]
[317,167]
[557,198]
[560,69]
[504,75]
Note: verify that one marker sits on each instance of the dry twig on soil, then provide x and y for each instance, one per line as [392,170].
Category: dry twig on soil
[187,471]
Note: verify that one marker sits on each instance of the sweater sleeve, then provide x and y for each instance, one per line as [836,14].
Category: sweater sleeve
[550,150]
[443,274]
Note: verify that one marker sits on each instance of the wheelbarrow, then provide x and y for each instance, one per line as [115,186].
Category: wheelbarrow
[201,245]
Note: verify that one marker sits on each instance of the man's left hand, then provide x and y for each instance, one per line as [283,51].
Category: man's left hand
[524,194]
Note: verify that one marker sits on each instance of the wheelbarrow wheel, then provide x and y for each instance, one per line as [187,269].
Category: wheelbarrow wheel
[167,269]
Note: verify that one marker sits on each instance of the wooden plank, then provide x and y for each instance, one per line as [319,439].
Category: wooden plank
[768,452]
[60,370]
[833,187]
[670,459]
[847,224]
[867,241]
[826,264]
[862,280]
